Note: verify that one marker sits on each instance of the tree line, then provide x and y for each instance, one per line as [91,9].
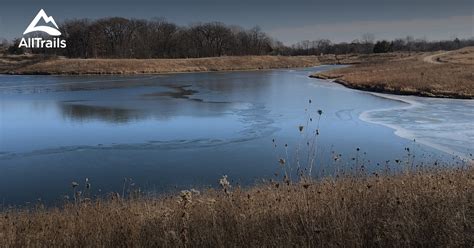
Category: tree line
[368,44]
[117,37]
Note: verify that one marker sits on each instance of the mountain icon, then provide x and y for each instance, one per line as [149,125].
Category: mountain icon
[47,19]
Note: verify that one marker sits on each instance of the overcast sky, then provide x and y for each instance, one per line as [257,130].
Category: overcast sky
[286,20]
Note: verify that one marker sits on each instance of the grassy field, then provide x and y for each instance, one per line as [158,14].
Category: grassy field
[137,66]
[431,208]
[424,74]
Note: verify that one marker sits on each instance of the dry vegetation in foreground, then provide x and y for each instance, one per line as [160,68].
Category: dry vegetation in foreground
[433,208]
[451,75]
[136,66]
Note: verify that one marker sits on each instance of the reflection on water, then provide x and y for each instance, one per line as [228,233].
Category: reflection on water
[180,91]
[187,130]
[83,113]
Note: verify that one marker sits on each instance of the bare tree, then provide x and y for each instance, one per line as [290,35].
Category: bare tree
[118,37]
[368,42]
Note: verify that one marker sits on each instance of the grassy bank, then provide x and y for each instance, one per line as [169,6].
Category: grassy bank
[433,208]
[427,74]
[137,66]
[440,74]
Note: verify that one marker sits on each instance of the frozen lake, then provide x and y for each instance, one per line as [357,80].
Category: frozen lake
[178,131]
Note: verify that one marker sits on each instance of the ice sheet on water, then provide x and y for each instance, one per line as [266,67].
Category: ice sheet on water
[445,124]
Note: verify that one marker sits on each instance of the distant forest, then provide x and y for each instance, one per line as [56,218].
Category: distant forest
[118,37]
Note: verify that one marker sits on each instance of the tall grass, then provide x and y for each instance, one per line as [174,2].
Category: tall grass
[428,208]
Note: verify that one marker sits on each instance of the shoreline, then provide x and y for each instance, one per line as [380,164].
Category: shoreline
[62,66]
[442,74]
[147,73]
[376,88]
[153,73]
[329,78]
[362,75]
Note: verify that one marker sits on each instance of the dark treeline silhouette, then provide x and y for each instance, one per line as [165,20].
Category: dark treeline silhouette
[368,45]
[123,38]
[117,37]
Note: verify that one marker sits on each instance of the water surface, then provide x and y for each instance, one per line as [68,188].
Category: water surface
[178,131]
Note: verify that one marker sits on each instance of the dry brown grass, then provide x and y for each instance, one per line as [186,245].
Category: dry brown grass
[433,208]
[412,76]
[354,58]
[12,62]
[461,56]
[136,66]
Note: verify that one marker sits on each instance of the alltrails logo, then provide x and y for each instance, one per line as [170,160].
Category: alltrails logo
[39,42]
